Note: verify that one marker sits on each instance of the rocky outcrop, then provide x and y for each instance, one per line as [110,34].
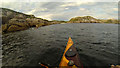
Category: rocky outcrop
[114,21]
[15,21]
[85,19]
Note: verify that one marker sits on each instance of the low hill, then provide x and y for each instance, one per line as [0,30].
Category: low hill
[89,19]
[85,19]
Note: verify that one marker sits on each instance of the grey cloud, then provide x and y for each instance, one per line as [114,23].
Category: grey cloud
[54,10]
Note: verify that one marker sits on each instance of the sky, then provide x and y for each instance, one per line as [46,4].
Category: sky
[65,10]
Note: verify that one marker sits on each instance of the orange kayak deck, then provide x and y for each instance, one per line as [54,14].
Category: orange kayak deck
[70,54]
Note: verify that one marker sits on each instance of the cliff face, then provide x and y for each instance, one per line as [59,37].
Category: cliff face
[15,21]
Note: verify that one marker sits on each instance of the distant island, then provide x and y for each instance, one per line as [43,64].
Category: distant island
[15,21]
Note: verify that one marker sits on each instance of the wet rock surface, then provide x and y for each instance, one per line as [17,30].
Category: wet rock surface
[97,44]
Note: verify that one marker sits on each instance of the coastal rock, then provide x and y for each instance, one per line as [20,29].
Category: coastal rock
[4,27]
[15,21]
[13,28]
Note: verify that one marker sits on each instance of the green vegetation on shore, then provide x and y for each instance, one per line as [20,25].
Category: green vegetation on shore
[15,21]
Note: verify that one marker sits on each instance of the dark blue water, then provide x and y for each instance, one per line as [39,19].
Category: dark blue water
[97,44]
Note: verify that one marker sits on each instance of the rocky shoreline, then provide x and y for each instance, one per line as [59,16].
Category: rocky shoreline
[16,21]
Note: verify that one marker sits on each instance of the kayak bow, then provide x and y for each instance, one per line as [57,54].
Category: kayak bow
[70,58]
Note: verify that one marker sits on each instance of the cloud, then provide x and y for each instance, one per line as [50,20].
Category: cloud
[68,4]
[31,12]
[65,10]
[115,9]
[44,9]
[48,16]
[82,9]
[60,0]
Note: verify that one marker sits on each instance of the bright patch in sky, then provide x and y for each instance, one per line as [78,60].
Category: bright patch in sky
[31,12]
[115,9]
